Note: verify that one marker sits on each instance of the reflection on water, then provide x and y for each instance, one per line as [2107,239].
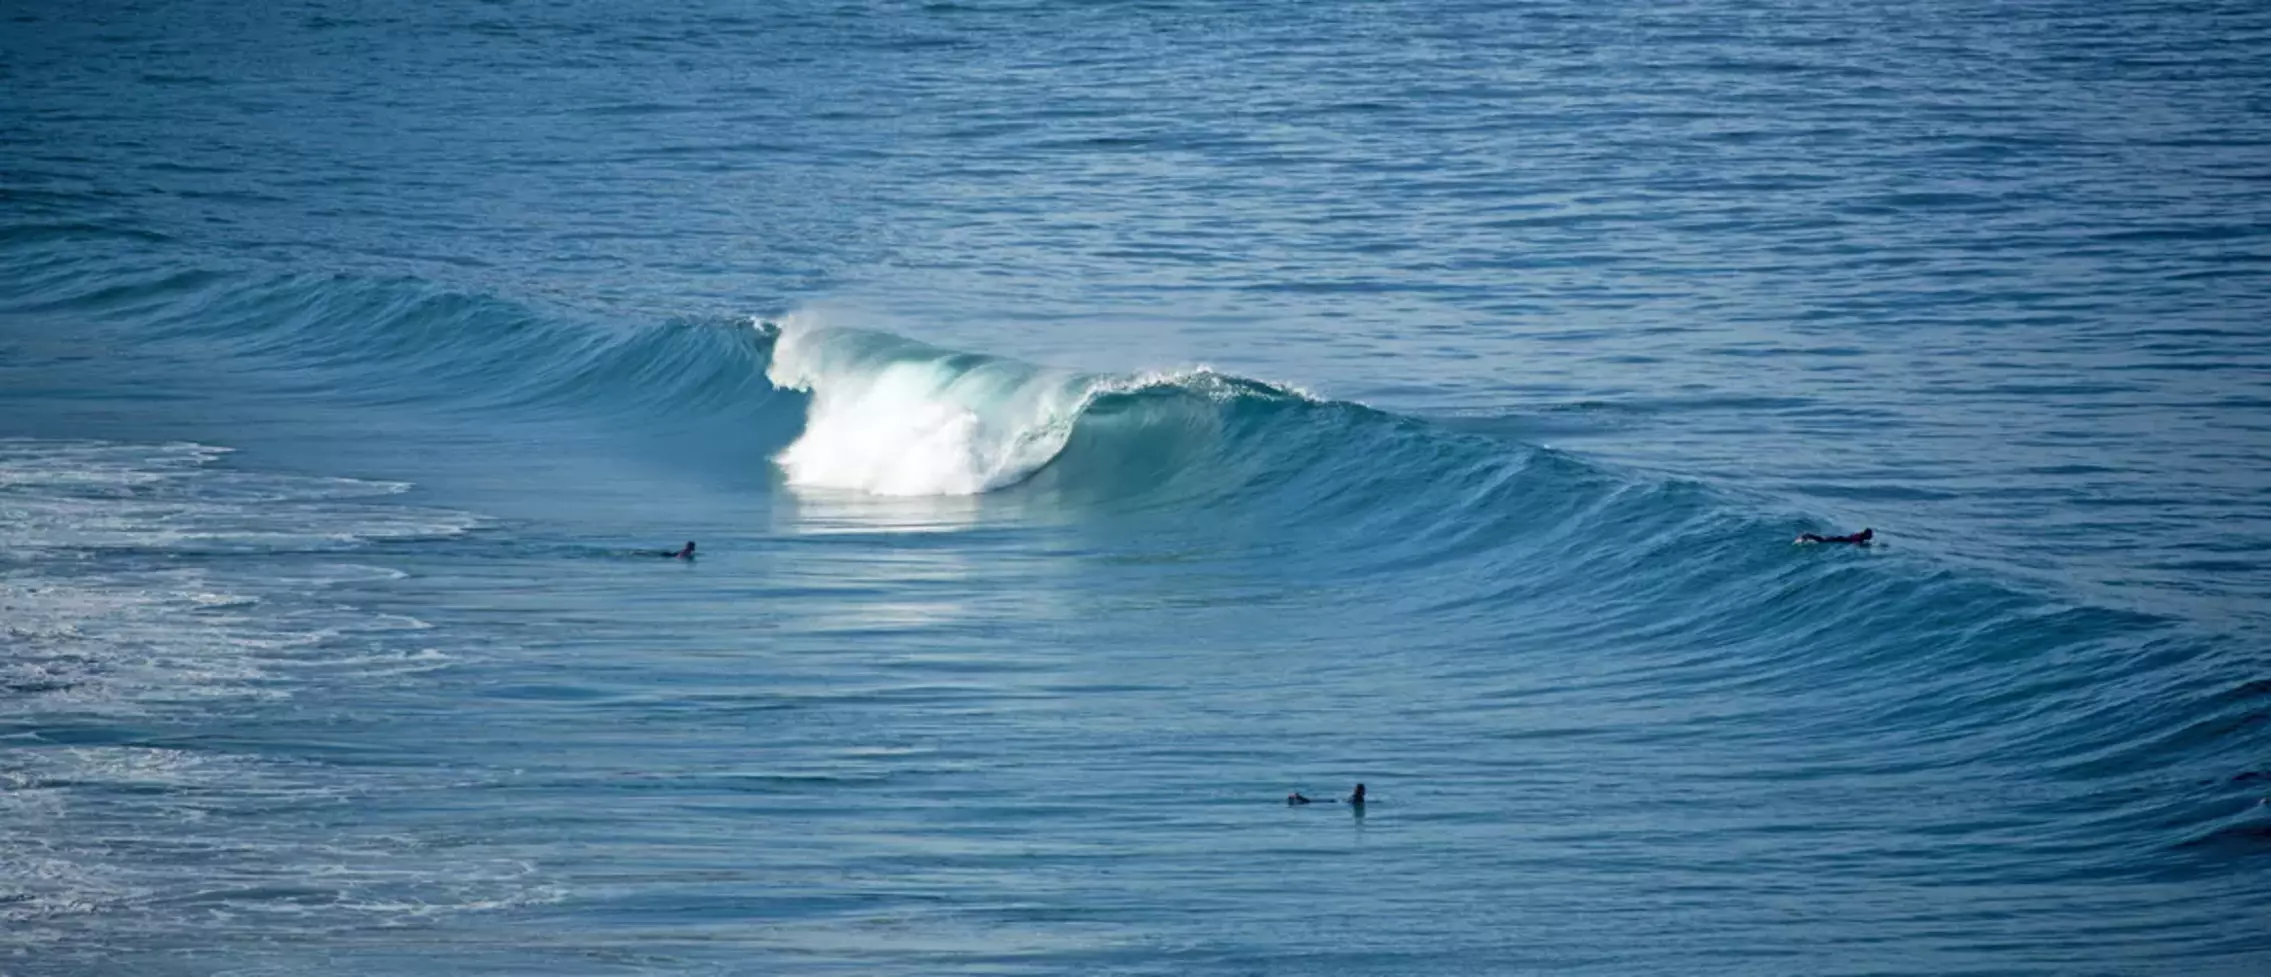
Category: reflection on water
[874,563]
[817,511]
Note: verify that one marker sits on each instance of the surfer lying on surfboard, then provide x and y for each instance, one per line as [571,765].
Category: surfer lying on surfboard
[684,554]
[1355,798]
[1861,538]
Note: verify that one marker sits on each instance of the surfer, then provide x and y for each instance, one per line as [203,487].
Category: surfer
[1296,798]
[1861,538]
[684,554]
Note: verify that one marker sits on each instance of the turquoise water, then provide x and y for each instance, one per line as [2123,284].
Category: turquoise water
[1099,420]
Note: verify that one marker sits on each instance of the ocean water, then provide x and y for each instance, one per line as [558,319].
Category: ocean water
[1099,420]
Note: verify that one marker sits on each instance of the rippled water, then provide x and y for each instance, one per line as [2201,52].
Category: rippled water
[1097,421]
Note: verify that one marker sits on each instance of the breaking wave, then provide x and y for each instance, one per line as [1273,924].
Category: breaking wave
[893,416]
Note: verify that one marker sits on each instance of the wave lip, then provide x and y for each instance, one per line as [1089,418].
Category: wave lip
[892,416]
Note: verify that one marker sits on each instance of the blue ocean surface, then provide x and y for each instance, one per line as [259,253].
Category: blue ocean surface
[1099,420]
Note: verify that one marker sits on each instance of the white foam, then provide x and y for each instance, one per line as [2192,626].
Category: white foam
[82,495]
[96,615]
[892,417]
[103,620]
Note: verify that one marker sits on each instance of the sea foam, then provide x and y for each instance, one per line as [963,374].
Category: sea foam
[896,417]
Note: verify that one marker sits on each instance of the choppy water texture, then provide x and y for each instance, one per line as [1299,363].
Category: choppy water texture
[1100,419]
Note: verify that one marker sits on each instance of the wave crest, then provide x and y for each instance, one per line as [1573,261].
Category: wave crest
[893,416]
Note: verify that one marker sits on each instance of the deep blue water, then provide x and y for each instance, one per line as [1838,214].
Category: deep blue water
[1101,419]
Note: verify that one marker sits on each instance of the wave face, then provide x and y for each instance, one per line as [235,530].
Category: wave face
[1662,587]
[1223,578]
[350,580]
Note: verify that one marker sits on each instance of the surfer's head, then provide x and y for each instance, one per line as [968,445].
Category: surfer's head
[1358,796]
[1863,536]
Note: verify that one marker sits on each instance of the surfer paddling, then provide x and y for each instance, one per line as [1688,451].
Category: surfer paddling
[1296,798]
[1861,538]
[684,554]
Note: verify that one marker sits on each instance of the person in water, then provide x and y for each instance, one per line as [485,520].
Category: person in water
[1296,798]
[1861,538]
[684,554]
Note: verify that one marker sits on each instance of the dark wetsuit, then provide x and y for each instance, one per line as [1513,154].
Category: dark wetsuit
[1355,798]
[1861,538]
